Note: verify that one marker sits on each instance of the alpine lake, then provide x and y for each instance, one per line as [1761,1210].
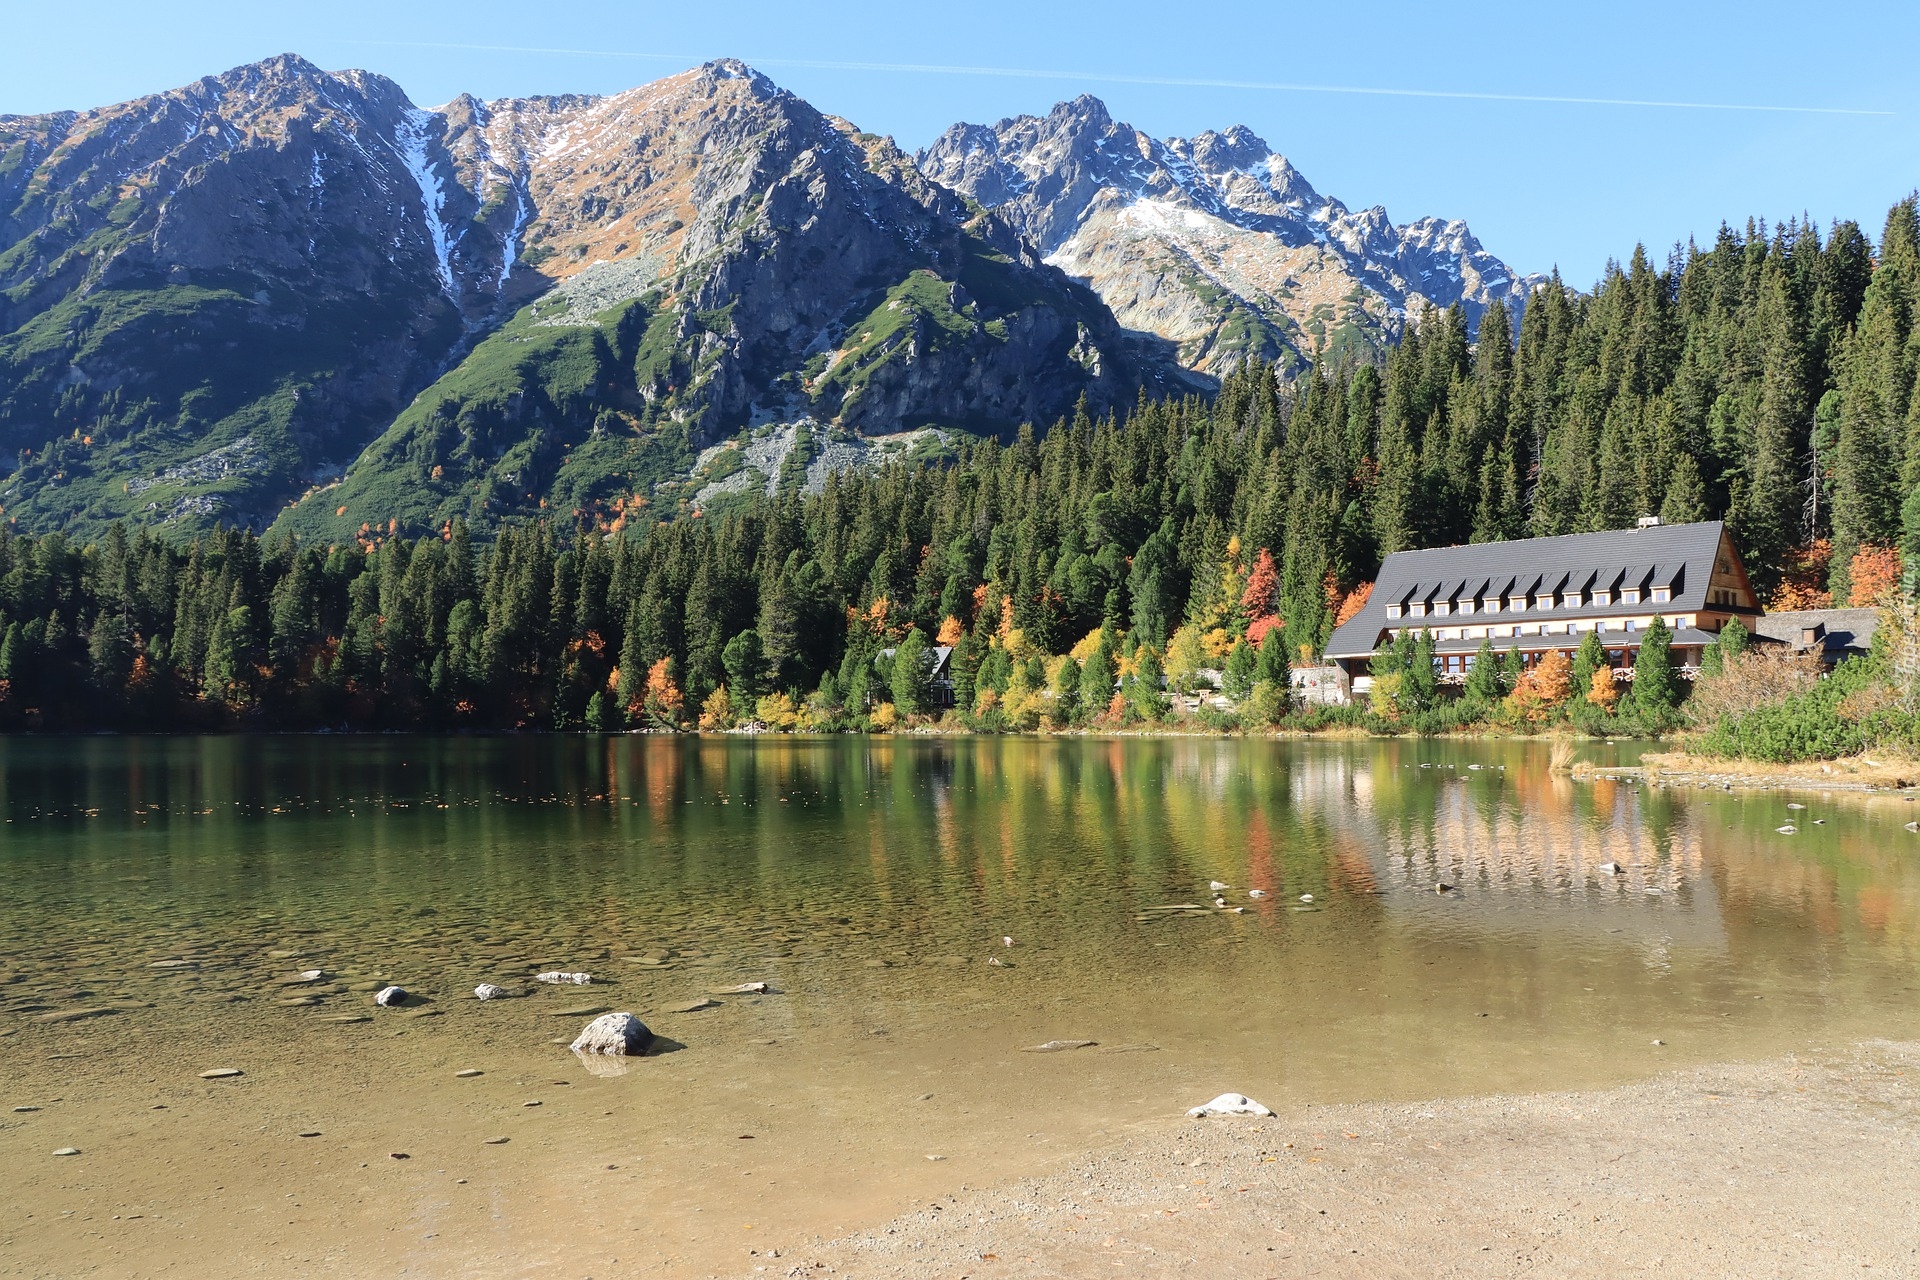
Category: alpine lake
[167,902]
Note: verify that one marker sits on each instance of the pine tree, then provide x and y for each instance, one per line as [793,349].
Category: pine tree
[744,663]
[1654,694]
[908,682]
[1238,675]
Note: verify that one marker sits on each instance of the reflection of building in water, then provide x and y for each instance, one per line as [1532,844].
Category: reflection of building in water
[1500,839]
[1527,848]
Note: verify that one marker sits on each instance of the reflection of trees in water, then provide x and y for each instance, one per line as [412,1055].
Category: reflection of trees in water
[919,841]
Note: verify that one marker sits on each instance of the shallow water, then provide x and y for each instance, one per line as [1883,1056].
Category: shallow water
[868,881]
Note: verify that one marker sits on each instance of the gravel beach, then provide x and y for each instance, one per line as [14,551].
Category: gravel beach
[1803,1166]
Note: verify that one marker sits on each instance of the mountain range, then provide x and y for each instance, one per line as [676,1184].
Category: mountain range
[287,295]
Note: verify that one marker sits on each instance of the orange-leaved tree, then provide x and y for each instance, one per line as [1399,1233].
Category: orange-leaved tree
[665,704]
[1540,692]
[1605,693]
[1873,572]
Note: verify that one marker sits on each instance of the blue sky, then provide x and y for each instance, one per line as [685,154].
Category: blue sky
[1541,183]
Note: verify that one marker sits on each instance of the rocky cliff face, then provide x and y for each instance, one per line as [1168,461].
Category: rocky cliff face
[211,300]
[1215,242]
[206,295]
[712,253]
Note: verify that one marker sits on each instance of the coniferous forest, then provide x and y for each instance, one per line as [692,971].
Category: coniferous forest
[1767,379]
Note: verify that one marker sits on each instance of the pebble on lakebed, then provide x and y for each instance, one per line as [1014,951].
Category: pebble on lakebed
[488,991]
[221,1073]
[390,997]
[561,979]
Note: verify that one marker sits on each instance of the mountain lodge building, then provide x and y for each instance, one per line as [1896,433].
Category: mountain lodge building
[1541,594]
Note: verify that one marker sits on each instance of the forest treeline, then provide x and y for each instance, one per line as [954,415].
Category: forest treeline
[1768,379]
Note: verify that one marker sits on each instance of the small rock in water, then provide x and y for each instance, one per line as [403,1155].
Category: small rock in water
[174,964]
[1611,869]
[67,1151]
[487,991]
[1306,897]
[390,997]
[1443,888]
[1796,806]
[561,979]
[1216,886]
[23,1110]
[1787,830]
[221,1073]
[1055,1046]
[468,1074]
[998,963]
[1256,893]
[693,1006]
[310,1133]
[1659,1041]
[498,1142]
[744,989]
[619,1033]
[304,978]
[1229,1104]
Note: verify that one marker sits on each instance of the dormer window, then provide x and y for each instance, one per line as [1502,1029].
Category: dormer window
[1630,596]
[1420,609]
[1393,611]
[1663,595]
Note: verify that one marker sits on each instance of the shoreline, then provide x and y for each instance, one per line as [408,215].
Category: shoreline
[1801,1165]
[1861,774]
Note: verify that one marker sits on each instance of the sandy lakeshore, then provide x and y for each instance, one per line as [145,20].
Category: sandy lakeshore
[1801,1166]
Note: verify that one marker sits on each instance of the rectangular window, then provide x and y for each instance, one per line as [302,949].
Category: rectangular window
[1393,611]
[1662,595]
[1630,596]
[1420,609]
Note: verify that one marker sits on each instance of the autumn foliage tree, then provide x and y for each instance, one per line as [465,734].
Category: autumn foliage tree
[1543,689]
[665,705]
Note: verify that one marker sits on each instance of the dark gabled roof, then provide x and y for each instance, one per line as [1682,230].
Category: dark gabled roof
[1840,630]
[1681,555]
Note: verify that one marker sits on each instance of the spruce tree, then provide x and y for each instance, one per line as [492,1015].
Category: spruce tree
[1238,675]
[1654,693]
[909,678]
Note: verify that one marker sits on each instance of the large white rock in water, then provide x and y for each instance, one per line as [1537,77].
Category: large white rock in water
[617,1033]
[565,979]
[1230,1104]
[487,991]
[390,996]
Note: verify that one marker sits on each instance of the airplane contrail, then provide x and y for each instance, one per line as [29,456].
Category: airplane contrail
[1022,73]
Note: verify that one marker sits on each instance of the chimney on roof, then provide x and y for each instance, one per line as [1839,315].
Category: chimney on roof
[1649,522]
[1810,635]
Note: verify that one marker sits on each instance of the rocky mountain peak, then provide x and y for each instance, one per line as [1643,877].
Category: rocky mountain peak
[1215,242]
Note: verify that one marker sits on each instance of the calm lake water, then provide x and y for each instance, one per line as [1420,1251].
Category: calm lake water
[870,881]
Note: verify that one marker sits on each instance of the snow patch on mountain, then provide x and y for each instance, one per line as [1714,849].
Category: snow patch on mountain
[411,145]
